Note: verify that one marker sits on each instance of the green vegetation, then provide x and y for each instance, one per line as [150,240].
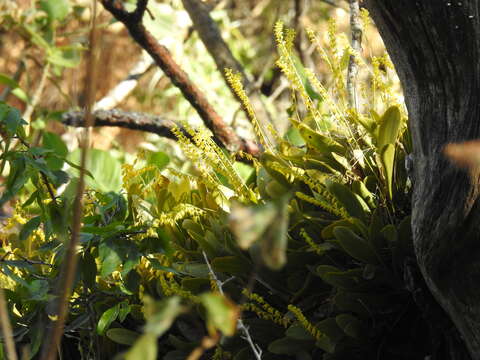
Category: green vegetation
[301,251]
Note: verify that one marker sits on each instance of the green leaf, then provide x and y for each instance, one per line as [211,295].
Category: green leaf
[104,168]
[160,315]
[389,127]
[145,348]
[332,335]
[320,142]
[355,246]
[7,80]
[348,199]
[109,257]
[29,227]
[159,159]
[107,318]
[222,314]
[88,268]
[350,279]
[38,290]
[122,336]
[297,331]
[54,143]
[56,9]
[387,156]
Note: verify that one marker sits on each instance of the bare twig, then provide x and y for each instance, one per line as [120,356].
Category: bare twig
[37,94]
[219,50]
[163,58]
[7,328]
[257,351]
[356,29]
[69,265]
[138,121]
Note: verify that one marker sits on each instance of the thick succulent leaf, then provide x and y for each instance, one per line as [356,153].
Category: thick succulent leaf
[355,246]
[389,127]
[320,142]
[348,199]
[387,156]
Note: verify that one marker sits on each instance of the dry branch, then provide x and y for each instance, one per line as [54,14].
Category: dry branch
[163,58]
[139,121]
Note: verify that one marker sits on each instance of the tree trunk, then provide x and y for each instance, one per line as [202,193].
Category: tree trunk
[435,47]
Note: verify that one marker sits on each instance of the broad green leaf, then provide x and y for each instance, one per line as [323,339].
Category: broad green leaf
[109,257]
[104,168]
[159,159]
[38,290]
[387,157]
[389,127]
[7,80]
[349,279]
[56,9]
[145,348]
[348,199]
[122,336]
[320,142]
[222,314]
[67,57]
[355,246]
[160,315]
[107,318]
[54,143]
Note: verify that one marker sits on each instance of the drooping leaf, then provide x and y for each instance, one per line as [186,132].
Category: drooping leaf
[107,318]
[161,314]
[222,314]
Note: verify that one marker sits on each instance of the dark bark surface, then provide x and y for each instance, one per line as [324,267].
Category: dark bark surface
[435,46]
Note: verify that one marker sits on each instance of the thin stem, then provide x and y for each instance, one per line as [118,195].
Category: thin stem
[356,29]
[37,95]
[257,351]
[7,328]
[69,266]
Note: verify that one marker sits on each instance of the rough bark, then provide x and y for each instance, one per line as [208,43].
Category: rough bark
[435,46]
